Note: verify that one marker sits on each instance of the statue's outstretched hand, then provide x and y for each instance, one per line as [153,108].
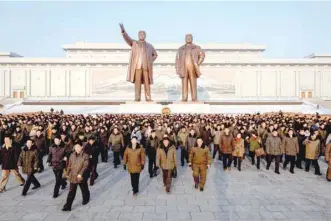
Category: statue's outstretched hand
[122,27]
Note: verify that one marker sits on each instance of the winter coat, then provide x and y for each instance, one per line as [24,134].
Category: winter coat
[104,139]
[159,134]
[182,139]
[226,144]
[166,161]
[40,143]
[200,156]
[254,144]
[77,165]
[56,155]
[9,157]
[239,148]
[28,160]
[152,145]
[290,145]
[206,136]
[302,147]
[134,158]
[93,152]
[274,145]
[116,141]
[312,149]
[328,159]
[191,142]
[217,136]
[137,134]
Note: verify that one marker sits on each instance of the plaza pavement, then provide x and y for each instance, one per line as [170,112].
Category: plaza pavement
[234,195]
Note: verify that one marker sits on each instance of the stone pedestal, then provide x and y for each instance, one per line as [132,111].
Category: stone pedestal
[189,107]
[140,108]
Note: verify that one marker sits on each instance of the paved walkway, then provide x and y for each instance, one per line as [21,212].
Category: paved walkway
[245,195]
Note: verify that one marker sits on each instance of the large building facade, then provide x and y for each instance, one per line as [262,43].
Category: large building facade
[98,71]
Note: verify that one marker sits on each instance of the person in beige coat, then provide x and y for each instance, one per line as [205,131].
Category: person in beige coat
[290,149]
[328,160]
[313,148]
[134,157]
[166,158]
[238,151]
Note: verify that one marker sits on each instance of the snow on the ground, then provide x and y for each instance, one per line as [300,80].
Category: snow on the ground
[142,108]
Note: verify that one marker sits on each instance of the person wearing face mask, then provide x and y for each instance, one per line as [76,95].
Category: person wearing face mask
[28,161]
[200,161]
[238,151]
[216,134]
[313,149]
[226,148]
[57,159]
[134,160]
[166,158]
[302,148]
[77,168]
[116,142]
[291,149]
[9,155]
[40,143]
[151,147]
[182,141]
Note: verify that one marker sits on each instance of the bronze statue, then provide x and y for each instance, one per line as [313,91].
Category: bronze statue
[140,69]
[188,60]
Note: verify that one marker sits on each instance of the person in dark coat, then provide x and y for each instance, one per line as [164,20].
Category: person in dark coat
[103,144]
[92,149]
[28,161]
[40,142]
[77,168]
[57,159]
[9,155]
[302,148]
[126,138]
[151,147]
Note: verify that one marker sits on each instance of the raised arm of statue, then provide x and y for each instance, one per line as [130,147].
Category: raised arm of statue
[126,37]
[201,56]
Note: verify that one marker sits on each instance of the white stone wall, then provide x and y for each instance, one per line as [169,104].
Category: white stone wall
[216,82]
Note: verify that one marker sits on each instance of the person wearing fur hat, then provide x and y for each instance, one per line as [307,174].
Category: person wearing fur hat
[28,162]
[57,159]
[255,143]
[134,160]
[116,142]
[200,161]
[290,149]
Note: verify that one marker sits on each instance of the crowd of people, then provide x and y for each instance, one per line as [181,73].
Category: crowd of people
[73,143]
